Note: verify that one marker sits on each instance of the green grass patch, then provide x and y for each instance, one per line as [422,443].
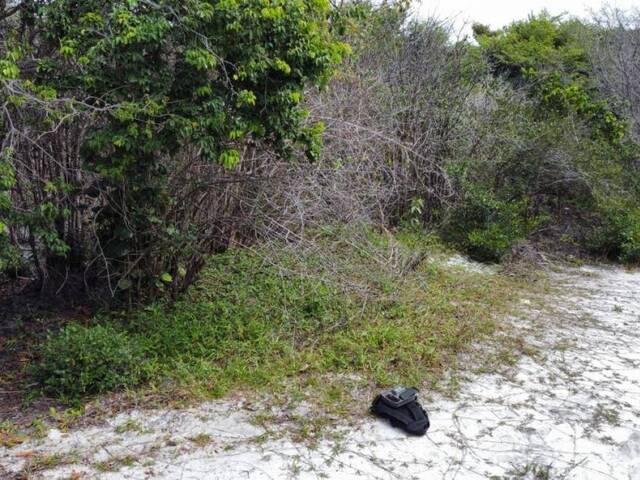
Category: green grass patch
[279,319]
[114,464]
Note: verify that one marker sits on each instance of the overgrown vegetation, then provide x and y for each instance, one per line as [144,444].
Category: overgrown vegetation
[152,145]
[140,136]
[82,360]
[113,112]
[250,322]
[562,164]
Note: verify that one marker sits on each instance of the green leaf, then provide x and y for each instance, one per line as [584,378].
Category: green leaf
[201,59]
[230,159]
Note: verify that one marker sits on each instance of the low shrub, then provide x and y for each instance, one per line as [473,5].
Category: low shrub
[631,237]
[82,360]
[486,227]
[618,235]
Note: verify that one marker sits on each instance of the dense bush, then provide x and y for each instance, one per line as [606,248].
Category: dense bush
[391,115]
[547,154]
[487,227]
[121,117]
[494,144]
[526,135]
[631,236]
[83,360]
[618,233]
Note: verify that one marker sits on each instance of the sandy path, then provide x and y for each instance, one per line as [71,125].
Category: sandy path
[573,412]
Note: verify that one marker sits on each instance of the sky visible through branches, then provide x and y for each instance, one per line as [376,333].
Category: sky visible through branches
[498,13]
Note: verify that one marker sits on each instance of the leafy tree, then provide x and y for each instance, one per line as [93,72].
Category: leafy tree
[550,55]
[153,79]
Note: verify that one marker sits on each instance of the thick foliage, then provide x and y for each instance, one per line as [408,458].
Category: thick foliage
[550,57]
[83,360]
[511,141]
[130,96]
[139,135]
[551,156]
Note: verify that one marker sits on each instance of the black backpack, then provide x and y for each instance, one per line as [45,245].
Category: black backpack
[400,405]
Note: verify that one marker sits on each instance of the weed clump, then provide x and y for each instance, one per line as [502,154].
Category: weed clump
[82,360]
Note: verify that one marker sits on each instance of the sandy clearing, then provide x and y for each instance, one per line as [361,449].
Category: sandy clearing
[572,413]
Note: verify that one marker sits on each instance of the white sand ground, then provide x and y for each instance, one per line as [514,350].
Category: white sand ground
[573,412]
